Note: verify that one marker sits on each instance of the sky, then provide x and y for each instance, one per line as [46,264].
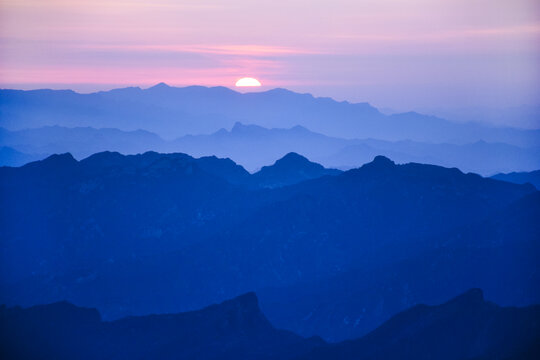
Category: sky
[397,54]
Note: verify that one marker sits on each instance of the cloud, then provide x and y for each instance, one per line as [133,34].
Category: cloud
[238,49]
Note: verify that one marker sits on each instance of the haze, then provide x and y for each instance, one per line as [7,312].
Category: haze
[415,54]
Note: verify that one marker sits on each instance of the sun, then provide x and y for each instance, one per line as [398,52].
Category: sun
[248,81]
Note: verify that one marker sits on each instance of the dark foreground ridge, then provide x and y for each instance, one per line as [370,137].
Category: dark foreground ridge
[234,329]
[466,327]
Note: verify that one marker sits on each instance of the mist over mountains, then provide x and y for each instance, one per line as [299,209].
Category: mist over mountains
[253,129]
[523,116]
[173,112]
[254,147]
[133,202]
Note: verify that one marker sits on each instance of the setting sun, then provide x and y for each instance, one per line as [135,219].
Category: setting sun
[248,81]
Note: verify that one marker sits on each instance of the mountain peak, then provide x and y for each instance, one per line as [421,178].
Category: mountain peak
[293,157]
[248,300]
[245,303]
[294,162]
[382,160]
[299,128]
[161,85]
[470,297]
[242,312]
[238,127]
[57,160]
[280,91]
[103,160]
[291,169]
[66,310]
[379,162]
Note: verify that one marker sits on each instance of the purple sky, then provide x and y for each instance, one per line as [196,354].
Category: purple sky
[401,54]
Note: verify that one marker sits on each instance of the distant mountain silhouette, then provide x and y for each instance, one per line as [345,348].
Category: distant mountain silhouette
[521,116]
[466,327]
[532,177]
[479,157]
[81,142]
[291,169]
[172,112]
[250,145]
[234,329]
[12,157]
[254,146]
[134,234]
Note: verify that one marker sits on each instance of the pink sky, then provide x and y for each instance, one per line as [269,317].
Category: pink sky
[392,53]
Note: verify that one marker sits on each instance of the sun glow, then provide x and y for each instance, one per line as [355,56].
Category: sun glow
[248,81]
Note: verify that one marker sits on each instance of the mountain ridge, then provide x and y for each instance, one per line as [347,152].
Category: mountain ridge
[253,147]
[203,217]
[237,329]
[291,169]
[465,327]
[175,111]
[522,177]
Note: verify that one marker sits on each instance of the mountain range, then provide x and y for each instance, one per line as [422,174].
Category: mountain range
[253,147]
[234,329]
[466,327]
[172,112]
[133,235]
[354,227]
[532,177]
[253,129]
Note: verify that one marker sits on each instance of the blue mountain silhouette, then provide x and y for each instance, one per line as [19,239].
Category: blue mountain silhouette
[134,234]
[172,112]
[253,147]
[532,177]
[463,328]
